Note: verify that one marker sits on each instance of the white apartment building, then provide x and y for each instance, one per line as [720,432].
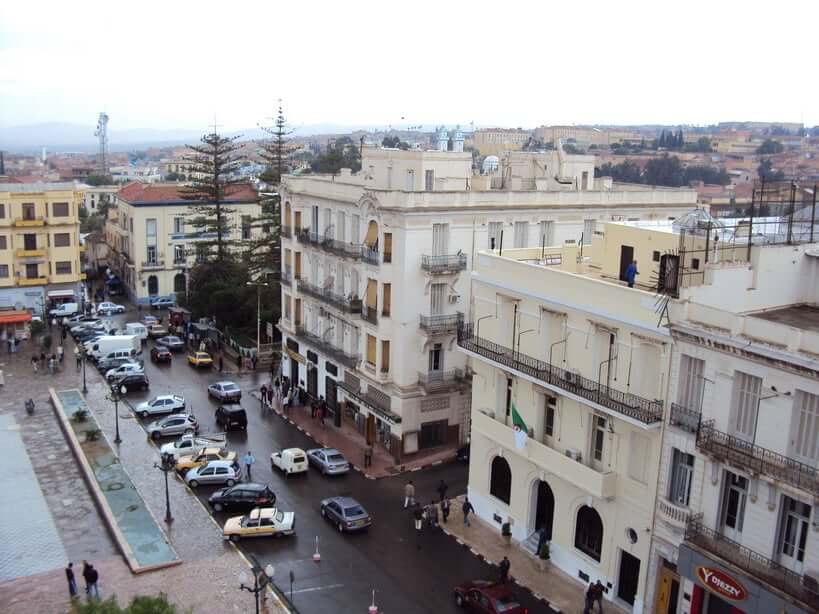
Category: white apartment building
[152,244]
[737,528]
[377,267]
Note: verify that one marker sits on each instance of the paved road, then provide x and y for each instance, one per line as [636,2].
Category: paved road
[386,559]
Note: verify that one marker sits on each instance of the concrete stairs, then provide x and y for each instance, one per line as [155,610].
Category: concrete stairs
[529,545]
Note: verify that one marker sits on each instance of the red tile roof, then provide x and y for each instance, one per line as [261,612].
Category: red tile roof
[172,193]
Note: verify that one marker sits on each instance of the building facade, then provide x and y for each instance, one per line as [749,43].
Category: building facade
[40,249]
[376,274]
[153,246]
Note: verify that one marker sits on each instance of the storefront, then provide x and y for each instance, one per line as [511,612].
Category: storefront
[14,325]
[719,589]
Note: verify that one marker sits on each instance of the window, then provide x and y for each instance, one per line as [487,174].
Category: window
[440,239]
[692,383]
[429,180]
[150,256]
[286,306]
[588,231]
[3,242]
[387,302]
[63,268]
[385,356]
[245,227]
[494,231]
[62,239]
[436,358]
[178,224]
[500,479]
[547,233]
[2,211]
[598,438]
[794,532]
[437,293]
[682,474]
[588,537]
[389,178]
[695,263]
[341,226]
[806,426]
[551,410]
[371,345]
[638,457]
[4,270]
[410,180]
[744,403]
[178,254]
[150,230]
[521,234]
[59,209]
[387,247]
[655,256]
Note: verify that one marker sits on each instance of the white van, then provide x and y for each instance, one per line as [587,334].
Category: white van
[289,460]
[137,329]
[105,345]
[65,310]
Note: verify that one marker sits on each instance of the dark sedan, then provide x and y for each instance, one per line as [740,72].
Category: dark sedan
[346,514]
[161,354]
[487,598]
[242,497]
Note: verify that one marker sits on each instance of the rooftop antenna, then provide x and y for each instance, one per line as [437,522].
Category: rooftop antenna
[102,134]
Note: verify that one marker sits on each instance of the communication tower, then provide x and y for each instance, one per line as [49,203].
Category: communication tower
[102,134]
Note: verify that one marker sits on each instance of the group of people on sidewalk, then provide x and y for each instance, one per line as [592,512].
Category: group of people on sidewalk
[91,577]
[52,363]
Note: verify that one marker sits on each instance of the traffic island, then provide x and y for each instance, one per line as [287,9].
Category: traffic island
[135,530]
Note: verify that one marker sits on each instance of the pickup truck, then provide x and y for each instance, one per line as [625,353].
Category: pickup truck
[188,444]
[289,460]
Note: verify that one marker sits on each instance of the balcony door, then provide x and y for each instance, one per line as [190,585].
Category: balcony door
[440,239]
[793,533]
[29,242]
[734,497]
[805,439]
[28,211]
[745,404]
[437,292]
[598,442]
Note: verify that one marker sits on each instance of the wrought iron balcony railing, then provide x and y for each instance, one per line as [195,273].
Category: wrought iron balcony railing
[369,314]
[348,359]
[439,381]
[286,232]
[684,418]
[636,407]
[286,278]
[443,264]
[442,324]
[802,588]
[370,256]
[344,249]
[153,264]
[757,459]
[342,303]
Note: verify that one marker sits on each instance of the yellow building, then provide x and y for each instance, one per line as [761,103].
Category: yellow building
[39,245]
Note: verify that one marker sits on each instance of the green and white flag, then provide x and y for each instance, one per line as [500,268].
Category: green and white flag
[521,430]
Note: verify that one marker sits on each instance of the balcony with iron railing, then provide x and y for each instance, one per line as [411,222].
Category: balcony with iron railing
[684,418]
[153,264]
[801,587]
[340,302]
[373,398]
[343,249]
[348,359]
[286,232]
[756,459]
[286,278]
[370,256]
[369,314]
[441,324]
[29,221]
[646,411]
[440,381]
[443,264]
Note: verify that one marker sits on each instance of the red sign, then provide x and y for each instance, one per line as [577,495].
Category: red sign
[722,584]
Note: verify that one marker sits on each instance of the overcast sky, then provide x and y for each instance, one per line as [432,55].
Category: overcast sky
[174,64]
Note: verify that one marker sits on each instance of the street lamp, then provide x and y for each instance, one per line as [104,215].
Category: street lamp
[168,464]
[258,285]
[117,392]
[261,578]
[83,358]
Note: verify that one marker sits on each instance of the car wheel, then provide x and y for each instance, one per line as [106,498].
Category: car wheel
[459,600]
[234,538]
[218,507]
[231,482]
[188,431]
[340,528]
[155,435]
[193,483]
[144,414]
[323,513]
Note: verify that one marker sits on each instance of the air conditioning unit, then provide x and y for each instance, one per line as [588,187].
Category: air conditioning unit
[574,454]
[573,376]
[454,298]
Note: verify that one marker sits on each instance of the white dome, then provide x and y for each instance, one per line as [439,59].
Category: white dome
[490,164]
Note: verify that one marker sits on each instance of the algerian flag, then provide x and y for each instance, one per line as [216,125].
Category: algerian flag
[521,430]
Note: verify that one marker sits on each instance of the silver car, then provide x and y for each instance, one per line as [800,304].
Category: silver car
[215,472]
[175,424]
[172,342]
[328,460]
[117,373]
[163,404]
[225,391]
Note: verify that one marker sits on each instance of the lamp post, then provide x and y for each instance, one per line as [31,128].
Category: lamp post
[117,392]
[258,285]
[166,467]
[261,578]
[83,358]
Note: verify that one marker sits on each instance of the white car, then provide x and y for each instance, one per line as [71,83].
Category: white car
[188,444]
[109,308]
[289,460]
[113,375]
[163,404]
[225,391]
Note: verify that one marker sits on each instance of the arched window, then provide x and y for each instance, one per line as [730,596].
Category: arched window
[179,283]
[500,479]
[588,534]
[153,285]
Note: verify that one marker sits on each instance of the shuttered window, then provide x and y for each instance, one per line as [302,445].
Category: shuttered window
[744,402]
[689,394]
[806,436]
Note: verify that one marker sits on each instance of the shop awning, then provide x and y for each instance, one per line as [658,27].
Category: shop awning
[61,294]
[15,317]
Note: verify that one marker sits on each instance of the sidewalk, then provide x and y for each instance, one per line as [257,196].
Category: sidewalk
[562,592]
[347,440]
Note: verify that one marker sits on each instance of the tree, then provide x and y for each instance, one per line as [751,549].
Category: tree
[98,180]
[625,172]
[138,605]
[173,176]
[765,171]
[665,170]
[211,166]
[769,146]
[341,154]
[572,149]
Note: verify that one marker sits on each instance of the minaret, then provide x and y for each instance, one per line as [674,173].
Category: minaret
[443,139]
[458,140]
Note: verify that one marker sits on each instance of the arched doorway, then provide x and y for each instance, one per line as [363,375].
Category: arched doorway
[588,533]
[544,507]
[153,285]
[179,283]
[500,480]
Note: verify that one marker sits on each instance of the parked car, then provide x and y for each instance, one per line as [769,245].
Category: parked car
[215,472]
[487,598]
[116,374]
[190,444]
[225,391]
[107,308]
[231,415]
[149,319]
[172,342]
[106,364]
[163,404]
[260,522]
[162,303]
[345,513]
[187,462]
[328,460]
[289,460]
[77,320]
[134,381]
[242,497]
[156,330]
[200,359]
[138,329]
[175,424]
[65,310]
[161,354]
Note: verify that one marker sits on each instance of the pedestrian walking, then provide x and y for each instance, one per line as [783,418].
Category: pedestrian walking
[409,494]
[60,353]
[35,364]
[504,566]
[77,357]
[221,363]
[322,410]
[368,456]
[445,509]
[65,333]
[248,460]
[590,592]
[86,568]
[43,362]
[432,515]
[442,488]
[598,595]
[631,273]
[53,321]
[263,395]
[467,509]
[72,582]
[418,516]
[51,364]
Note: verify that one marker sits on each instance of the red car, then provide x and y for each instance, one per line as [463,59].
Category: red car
[161,354]
[487,598]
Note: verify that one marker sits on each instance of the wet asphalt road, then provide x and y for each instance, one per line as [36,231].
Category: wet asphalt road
[385,559]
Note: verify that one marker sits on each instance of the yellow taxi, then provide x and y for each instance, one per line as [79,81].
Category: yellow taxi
[190,461]
[200,359]
[260,522]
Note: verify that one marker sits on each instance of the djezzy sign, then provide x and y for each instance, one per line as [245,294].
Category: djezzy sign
[722,584]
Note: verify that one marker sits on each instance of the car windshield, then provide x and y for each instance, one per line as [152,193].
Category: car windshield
[355,510]
[335,458]
[231,387]
[505,603]
[298,459]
